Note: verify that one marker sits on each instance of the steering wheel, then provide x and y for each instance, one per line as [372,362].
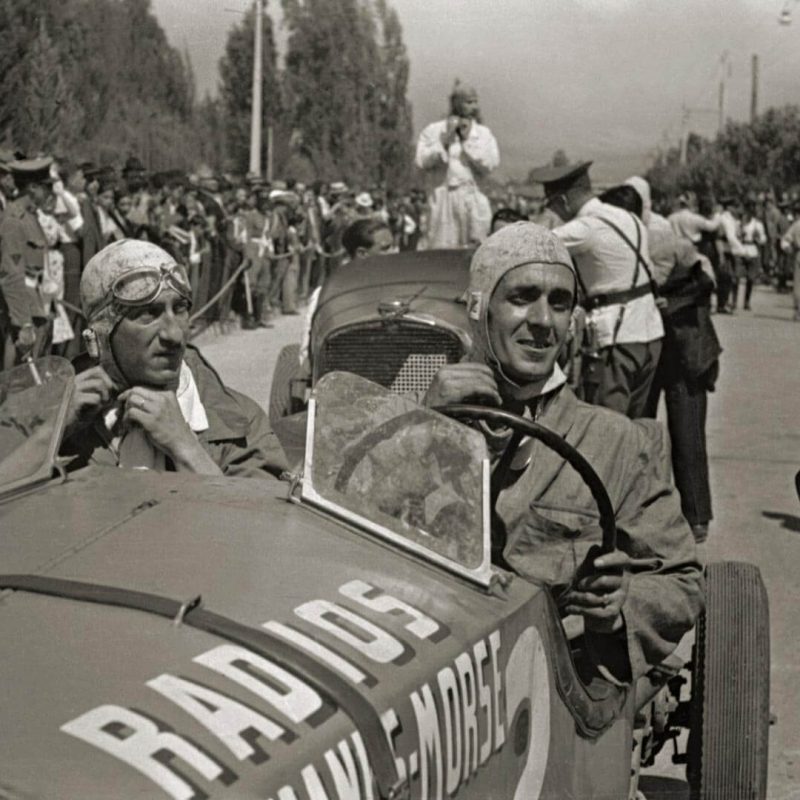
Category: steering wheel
[522,427]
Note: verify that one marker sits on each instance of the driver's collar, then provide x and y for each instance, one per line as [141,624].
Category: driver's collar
[555,380]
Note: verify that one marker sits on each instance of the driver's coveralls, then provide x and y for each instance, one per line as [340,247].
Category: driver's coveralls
[238,437]
[547,513]
[551,520]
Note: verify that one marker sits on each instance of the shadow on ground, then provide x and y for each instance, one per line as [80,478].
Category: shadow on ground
[788,521]
[654,787]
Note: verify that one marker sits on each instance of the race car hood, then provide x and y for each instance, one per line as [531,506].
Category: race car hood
[228,541]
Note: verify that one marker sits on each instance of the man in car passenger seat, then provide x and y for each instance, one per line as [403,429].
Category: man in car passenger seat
[144,398]
[521,294]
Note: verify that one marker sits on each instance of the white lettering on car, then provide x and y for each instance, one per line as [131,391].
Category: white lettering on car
[421,625]
[430,741]
[137,741]
[499,730]
[342,767]
[448,727]
[391,723]
[451,705]
[297,702]
[313,783]
[484,699]
[225,718]
[466,686]
[371,641]
[314,648]
[363,765]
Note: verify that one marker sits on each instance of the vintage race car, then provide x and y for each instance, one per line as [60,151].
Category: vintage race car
[392,319]
[343,634]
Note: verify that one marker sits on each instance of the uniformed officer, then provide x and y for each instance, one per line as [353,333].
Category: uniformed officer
[610,250]
[22,253]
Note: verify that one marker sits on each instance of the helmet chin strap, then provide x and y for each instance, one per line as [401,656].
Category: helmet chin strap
[98,346]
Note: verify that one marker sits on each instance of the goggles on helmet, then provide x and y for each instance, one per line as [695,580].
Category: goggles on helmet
[142,286]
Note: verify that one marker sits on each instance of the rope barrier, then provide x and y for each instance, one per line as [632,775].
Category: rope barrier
[225,286]
[72,308]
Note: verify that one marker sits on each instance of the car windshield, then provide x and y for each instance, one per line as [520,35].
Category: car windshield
[403,472]
[33,400]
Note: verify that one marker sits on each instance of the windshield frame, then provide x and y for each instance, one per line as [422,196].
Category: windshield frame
[45,472]
[481,575]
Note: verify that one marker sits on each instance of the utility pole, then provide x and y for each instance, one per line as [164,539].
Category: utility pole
[255,120]
[724,74]
[684,132]
[270,160]
[754,89]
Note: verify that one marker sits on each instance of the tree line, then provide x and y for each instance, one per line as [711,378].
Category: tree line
[98,79]
[746,158]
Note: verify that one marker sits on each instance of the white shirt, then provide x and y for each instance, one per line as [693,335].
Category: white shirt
[753,234]
[729,226]
[607,264]
[68,210]
[450,165]
[689,225]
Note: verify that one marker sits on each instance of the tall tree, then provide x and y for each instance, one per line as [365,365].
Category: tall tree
[47,117]
[395,120]
[236,82]
[342,86]
[103,74]
[210,126]
[746,157]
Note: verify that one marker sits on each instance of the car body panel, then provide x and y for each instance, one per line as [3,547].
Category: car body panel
[182,536]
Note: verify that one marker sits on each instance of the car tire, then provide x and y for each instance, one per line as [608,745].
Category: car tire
[729,738]
[287,367]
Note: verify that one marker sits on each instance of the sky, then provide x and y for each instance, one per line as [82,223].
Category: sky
[602,79]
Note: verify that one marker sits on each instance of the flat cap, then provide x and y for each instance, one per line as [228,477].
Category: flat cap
[559,179]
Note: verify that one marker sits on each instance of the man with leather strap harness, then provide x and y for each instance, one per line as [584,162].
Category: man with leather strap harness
[609,248]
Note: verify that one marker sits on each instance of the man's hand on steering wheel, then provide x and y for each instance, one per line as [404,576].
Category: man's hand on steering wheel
[599,595]
[462,383]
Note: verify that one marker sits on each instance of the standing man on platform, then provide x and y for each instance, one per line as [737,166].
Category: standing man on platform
[454,153]
[610,249]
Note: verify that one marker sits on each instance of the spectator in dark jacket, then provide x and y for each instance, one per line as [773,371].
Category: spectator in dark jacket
[686,373]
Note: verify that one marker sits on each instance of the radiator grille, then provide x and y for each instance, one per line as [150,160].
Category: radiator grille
[403,356]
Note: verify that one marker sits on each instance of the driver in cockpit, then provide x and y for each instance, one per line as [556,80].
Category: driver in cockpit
[521,296]
[146,399]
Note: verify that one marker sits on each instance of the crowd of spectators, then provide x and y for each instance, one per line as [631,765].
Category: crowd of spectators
[253,249]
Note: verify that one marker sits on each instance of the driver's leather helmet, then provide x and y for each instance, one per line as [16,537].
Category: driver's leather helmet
[101,311]
[512,246]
